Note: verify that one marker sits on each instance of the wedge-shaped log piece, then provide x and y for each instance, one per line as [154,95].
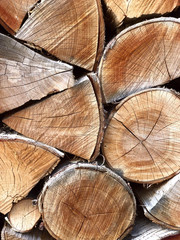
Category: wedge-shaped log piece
[9,234]
[23,215]
[87,202]
[69,120]
[144,55]
[161,202]
[26,75]
[142,140]
[72,30]
[13,12]
[120,9]
[23,162]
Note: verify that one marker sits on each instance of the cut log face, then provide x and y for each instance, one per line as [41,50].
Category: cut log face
[72,30]
[69,120]
[13,13]
[27,75]
[144,55]
[161,202]
[9,234]
[23,162]
[142,140]
[136,8]
[87,202]
[24,215]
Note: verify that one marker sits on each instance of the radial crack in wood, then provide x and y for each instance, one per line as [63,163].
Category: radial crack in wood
[121,9]
[161,203]
[13,12]
[69,120]
[85,201]
[23,162]
[72,30]
[24,215]
[142,139]
[9,234]
[144,55]
[26,75]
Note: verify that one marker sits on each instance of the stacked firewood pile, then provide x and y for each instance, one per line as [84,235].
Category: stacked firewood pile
[89,119]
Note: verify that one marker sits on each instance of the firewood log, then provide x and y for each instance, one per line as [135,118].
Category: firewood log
[13,12]
[23,163]
[142,139]
[23,215]
[71,30]
[68,120]
[121,9]
[144,55]
[161,202]
[27,75]
[9,234]
[85,201]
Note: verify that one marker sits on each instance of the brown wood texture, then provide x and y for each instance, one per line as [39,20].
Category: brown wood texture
[23,162]
[27,75]
[142,138]
[87,202]
[13,12]
[161,202]
[121,9]
[9,234]
[144,55]
[23,215]
[72,30]
[69,120]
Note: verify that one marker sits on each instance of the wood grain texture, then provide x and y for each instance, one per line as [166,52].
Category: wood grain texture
[142,140]
[13,12]
[86,201]
[9,234]
[23,215]
[26,75]
[72,30]
[68,120]
[144,55]
[161,203]
[121,9]
[23,162]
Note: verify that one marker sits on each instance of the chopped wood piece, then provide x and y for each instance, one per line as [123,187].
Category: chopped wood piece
[69,120]
[161,202]
[71,30]
[121,9]
[13,12]
[27,75]
[142,140]
[23,162]
[144,55]
[87,202]
[24,215]
[9,234]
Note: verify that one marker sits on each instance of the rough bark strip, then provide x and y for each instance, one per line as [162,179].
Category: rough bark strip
[26,75]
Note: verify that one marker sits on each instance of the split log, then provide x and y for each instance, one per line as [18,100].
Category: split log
[144,55]
[24,215]
[142,139]
[85,201]
[121,9]
[9,234]
[68,120]
[13,13]
[161,202]
[27,75]
[23,162]
[71,30]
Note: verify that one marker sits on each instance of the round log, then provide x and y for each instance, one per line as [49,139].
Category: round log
[86,201]
[142,139]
